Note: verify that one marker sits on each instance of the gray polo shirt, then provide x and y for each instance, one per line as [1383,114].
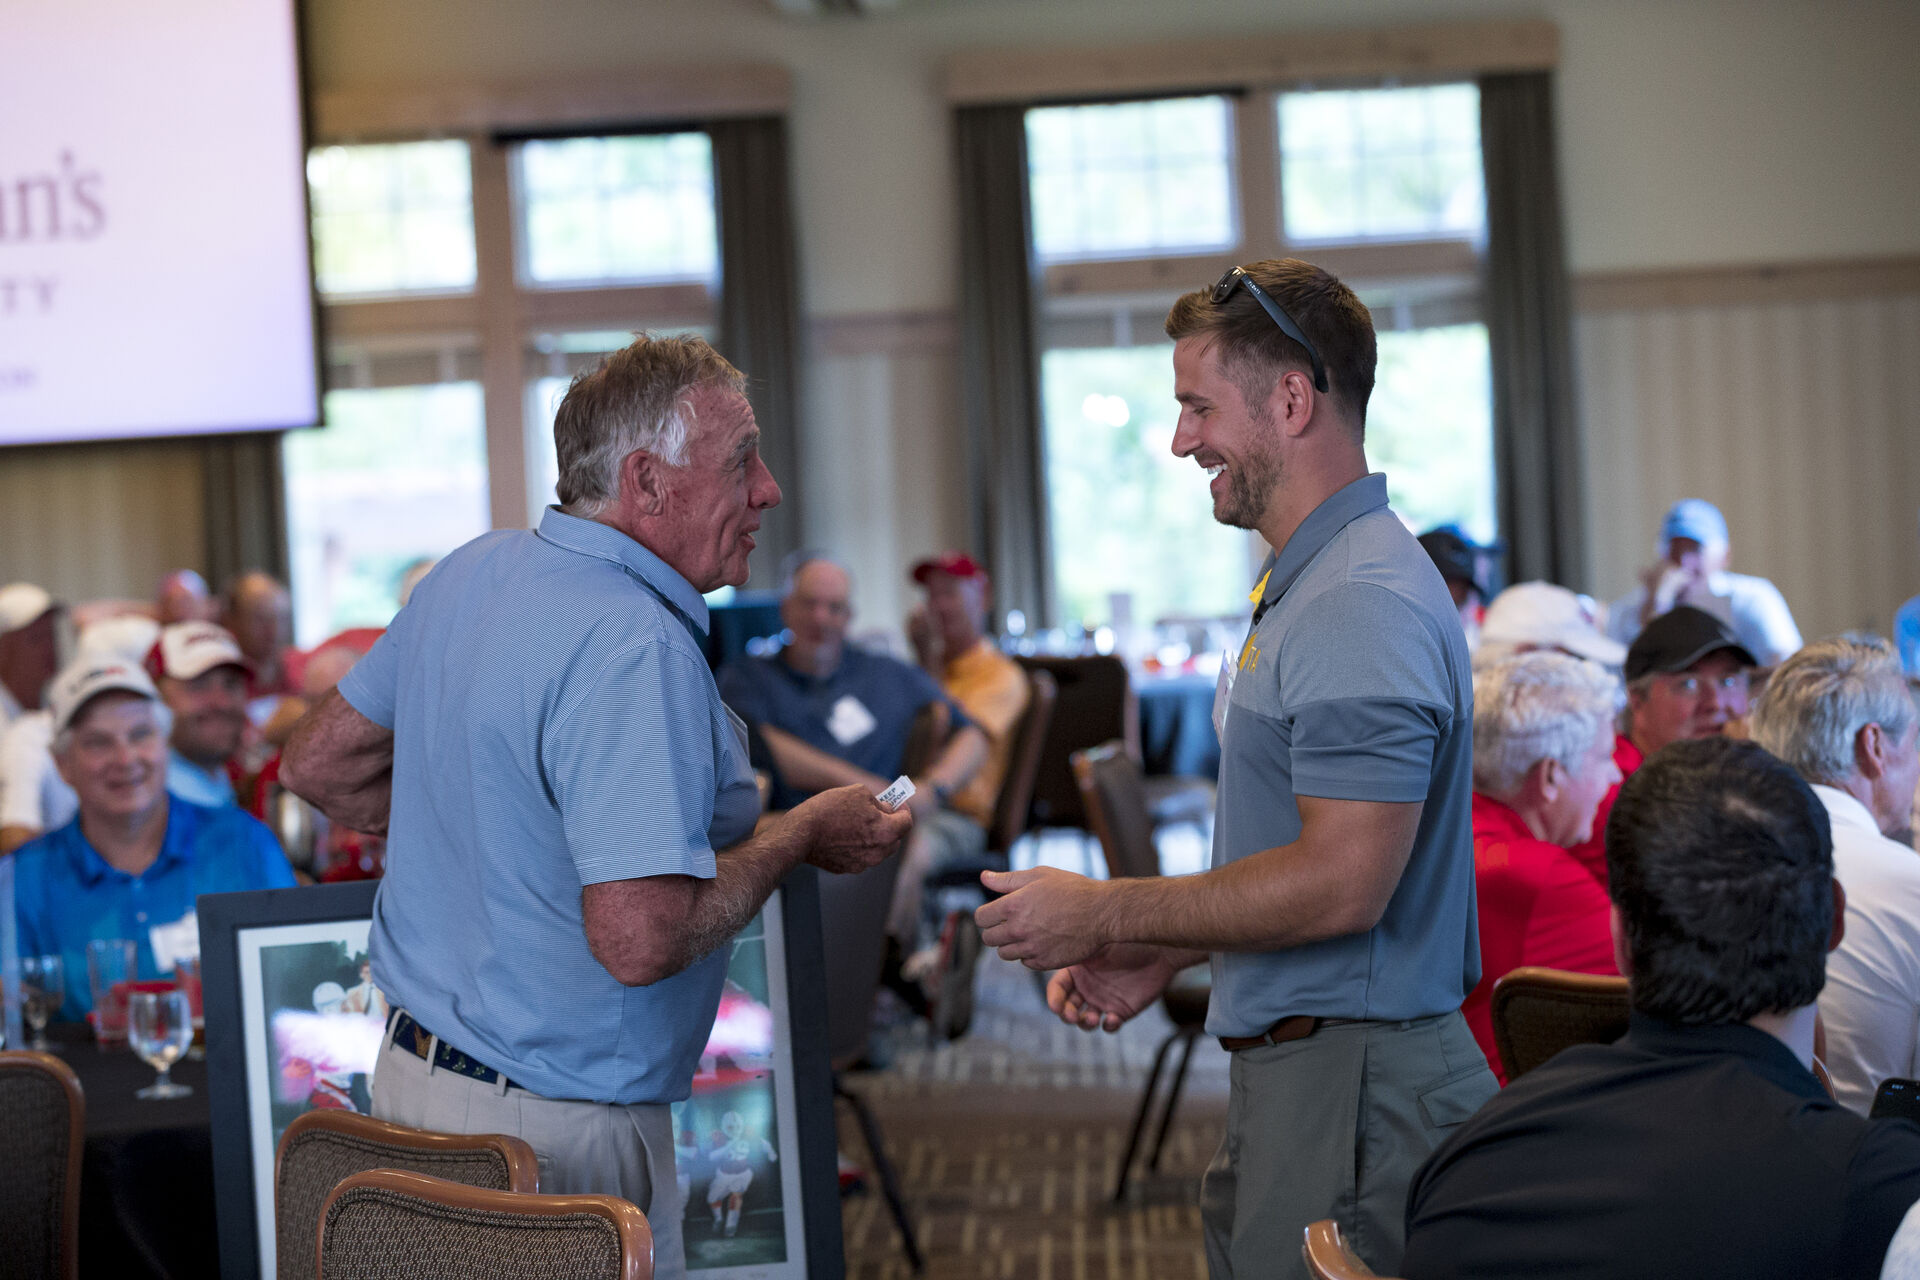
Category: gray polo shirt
[1354,685]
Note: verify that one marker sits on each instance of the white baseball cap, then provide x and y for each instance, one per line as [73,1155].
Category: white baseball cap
[21,603]
[86,679]
[130,636]
[1541,615]
[188,650]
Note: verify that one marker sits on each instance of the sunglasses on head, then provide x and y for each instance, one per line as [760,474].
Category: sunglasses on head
[1236,278]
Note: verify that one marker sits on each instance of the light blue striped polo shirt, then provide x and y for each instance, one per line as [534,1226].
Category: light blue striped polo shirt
[1354,685]
[555,725]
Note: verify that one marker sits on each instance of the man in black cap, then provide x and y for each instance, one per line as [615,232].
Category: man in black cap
[1467,571]
[1686,678]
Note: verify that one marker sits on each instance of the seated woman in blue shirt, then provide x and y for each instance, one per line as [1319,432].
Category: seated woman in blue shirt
[135,858]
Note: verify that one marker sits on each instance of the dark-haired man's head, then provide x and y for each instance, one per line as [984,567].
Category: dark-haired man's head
[1252,407]
[1720,865]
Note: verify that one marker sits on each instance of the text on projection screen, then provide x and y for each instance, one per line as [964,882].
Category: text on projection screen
[154,262]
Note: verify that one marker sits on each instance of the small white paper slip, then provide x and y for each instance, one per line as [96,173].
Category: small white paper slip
[897,794]
[1223,693]
[175,941]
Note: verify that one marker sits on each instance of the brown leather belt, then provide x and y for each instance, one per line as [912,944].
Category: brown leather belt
[1298,1027]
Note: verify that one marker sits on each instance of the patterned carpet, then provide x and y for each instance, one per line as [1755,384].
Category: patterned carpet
[1008,1142]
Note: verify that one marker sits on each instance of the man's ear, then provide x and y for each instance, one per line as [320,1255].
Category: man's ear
[641,484]
[1839,916]
[1293,403]
[1548,777]
[1622,952]
[1870,751]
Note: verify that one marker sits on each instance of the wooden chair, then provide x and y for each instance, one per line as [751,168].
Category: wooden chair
[1538,1012]
[1115,797]
[388,1222]
[43,1121]
[322,1148]
[1094,704]
[1013,807]
[1327,1254]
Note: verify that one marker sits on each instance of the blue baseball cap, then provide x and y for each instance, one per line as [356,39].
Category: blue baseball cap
[1694,518]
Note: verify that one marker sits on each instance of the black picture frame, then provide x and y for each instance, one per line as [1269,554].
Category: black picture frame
[225,917]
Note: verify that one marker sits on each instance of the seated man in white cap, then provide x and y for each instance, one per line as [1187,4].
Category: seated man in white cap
[134,860]
[202,676]
[29,649]
[33,796]
[1538,615]
[1692,570]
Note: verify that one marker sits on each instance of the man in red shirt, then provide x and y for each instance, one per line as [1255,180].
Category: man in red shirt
[1686,678]
[1542,758]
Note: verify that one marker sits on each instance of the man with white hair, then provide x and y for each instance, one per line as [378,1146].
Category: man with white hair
[1542,760]
[570,809]
[135,859]
[1839,712]
[1692,569]
[29,648]
[33,796]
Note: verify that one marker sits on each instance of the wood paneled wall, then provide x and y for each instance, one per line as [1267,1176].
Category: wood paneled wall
[101,521]
[1799,417]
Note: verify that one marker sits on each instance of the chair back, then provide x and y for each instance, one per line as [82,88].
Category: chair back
[43,1121]
[1014,805]
[322,1148]
[388,1222]
[1094,705]
[853,924]
[1114,793]
[1538,1012]
[1327,1255]
[925,736]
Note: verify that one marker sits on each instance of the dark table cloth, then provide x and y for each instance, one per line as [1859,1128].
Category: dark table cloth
[146,1179]
[1176,726]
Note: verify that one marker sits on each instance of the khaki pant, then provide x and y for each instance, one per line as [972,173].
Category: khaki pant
[1334,1126]
[602,1148]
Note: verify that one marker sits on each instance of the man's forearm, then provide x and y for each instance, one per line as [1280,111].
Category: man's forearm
[647,930]
[342,763]
[959,760]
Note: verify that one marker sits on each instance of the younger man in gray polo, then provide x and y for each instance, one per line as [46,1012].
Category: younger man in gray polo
[1339,912]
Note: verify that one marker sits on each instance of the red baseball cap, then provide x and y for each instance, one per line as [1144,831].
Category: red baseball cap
[955,564]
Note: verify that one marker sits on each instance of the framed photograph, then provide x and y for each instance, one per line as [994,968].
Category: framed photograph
[293,1024]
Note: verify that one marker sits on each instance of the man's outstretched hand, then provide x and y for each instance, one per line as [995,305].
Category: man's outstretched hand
[1113,986]
[848,831]
[1047,918]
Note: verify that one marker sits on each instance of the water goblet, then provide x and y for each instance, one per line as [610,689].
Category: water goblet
[43,989]
[160,1027]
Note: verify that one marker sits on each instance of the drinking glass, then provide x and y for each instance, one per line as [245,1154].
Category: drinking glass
[160,1027]
[43,989]
[110,968]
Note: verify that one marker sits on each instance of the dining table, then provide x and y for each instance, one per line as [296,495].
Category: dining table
[146,1175]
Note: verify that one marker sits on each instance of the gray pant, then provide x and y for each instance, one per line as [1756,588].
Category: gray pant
[583,1147]
[1334,1126]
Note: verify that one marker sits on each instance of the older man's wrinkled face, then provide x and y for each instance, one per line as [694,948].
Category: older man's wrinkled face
[209,714]
[116,757]
[1570,813]
[713,503]
[1695,703]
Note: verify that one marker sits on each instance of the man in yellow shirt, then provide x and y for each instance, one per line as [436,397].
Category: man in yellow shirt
[949,635]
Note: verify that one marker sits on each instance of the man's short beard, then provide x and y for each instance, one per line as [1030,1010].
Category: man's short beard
[1251,482]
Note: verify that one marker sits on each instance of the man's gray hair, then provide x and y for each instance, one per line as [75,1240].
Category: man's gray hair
[635,399]
[162,718]
[1536,706]
[1818,700]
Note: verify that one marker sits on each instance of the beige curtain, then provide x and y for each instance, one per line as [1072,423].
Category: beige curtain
[760,309]
[1537,470]
[999,362]
[246,510]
